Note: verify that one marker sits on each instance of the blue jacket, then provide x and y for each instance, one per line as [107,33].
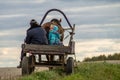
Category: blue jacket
[36,35]
[54,36]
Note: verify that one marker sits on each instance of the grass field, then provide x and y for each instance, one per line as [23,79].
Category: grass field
[84,71]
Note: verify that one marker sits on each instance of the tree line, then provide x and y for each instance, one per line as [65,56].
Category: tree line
[115,56]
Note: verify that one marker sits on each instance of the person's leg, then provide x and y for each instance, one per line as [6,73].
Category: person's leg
[48,58]
[21,57]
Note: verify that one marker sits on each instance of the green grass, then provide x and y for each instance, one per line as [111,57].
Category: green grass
[84,71]
[99,71]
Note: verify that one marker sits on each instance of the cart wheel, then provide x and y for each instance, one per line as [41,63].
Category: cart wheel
[69,65]
[25,66]
[31,70]
[31,64]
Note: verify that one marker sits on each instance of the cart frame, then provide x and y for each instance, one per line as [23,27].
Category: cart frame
[29,61]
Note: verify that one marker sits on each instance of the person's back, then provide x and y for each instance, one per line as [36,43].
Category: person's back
[36,36]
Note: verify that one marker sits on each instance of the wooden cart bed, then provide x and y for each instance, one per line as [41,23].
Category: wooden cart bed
[46,49]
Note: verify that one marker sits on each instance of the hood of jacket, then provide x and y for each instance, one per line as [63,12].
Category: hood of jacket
[55,28]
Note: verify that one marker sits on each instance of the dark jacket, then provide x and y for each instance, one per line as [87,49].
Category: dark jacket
[36,35]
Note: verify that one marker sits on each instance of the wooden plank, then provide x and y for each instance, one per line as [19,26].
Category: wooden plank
[47,53]
[48,64]
[72,47]
[45,48]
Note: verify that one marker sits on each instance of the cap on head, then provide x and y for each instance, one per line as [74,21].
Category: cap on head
[33,21]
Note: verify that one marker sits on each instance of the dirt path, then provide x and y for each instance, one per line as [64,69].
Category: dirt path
[11,73]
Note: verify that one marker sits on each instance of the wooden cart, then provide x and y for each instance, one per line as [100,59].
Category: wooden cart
[29,61]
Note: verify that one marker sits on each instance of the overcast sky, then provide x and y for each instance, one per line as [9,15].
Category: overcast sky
[97,25]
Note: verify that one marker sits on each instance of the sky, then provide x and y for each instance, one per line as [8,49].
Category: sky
[97,29]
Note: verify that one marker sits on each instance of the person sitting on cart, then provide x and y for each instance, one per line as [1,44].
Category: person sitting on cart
[54,36]
[54,39]
[47,26]
[56,22]
[35,35]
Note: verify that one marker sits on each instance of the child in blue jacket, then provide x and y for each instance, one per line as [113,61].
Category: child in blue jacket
[54,36]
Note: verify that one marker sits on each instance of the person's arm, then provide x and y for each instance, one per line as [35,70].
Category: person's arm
[58,35]
[46,39]
[28,38]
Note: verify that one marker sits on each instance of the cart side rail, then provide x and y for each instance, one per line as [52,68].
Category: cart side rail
[45,48]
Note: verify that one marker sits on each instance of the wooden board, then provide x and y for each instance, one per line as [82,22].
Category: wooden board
[45,48]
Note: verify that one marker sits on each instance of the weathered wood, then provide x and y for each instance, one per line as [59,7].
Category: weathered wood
[53,64]
[46,53]
[72,47]
[45,48]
